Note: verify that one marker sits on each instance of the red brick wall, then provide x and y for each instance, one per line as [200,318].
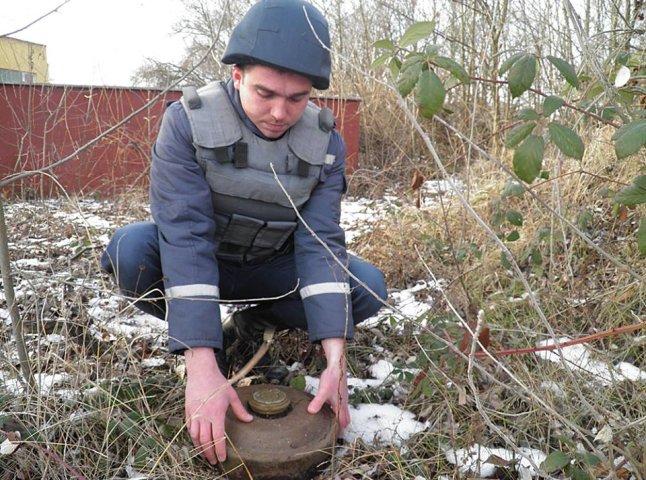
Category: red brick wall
[348,122]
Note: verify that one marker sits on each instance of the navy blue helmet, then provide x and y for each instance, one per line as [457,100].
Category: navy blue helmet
[277,33]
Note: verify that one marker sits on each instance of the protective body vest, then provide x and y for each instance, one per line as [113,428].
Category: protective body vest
[252,180]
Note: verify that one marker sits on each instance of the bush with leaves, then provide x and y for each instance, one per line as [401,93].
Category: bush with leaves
[418,68]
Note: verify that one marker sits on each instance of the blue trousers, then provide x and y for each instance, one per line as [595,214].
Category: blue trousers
[132,256]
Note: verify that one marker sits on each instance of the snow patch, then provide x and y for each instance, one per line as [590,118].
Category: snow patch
[578,358]
[476,460]
[381,425]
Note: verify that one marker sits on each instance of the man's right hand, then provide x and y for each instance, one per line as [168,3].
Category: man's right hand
[208,396]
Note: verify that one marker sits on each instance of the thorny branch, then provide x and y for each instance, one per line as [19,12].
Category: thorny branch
[612,332]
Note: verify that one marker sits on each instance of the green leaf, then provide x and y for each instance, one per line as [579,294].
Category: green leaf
[528,158]
[509,62]
[430,93]
[298,382]
[567,70]
[519,133]
[505,261]
[633,194]
[641,236]
[452,66]
[622,58]
[413,59]
[555,461]
[416,32]
[498,217]
[384,44]
[522,74]
[408,79]
[395,65]
[584,219]
[593,90]
[630,138]
[513,189]
[513,236]
[515,217]
[528,114]
[552,104]
[432,50]
[577,474]
[609,113]
[588,458]
[380,60]
[566,140]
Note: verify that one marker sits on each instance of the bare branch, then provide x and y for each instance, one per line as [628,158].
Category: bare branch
[35,21]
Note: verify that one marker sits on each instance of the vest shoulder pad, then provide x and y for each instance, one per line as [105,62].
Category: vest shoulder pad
[326,120]
[308,139]
[214,121]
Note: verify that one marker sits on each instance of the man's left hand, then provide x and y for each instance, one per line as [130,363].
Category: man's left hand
[333,386]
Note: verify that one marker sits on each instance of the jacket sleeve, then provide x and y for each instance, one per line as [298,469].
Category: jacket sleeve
[181,207]
[324,286]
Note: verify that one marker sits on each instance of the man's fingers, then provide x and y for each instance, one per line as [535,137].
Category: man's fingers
[316,404]
[194,431]
[239,411]
[206,443]
[344,419]
[220,443]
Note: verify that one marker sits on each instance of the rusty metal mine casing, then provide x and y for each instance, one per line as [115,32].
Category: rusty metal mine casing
[286,443]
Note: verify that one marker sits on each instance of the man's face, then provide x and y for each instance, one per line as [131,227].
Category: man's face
[273,100]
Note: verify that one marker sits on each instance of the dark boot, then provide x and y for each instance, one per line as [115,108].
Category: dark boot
[244,333]
[249,324]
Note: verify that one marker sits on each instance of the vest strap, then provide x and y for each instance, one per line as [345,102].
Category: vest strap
[192,98]
[303,168]
[240,156]
[222,154]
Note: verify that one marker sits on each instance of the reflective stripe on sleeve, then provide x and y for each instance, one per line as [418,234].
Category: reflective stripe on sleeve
[323,288]
[196,290]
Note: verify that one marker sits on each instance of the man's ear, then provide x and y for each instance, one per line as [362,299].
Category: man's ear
[237,76]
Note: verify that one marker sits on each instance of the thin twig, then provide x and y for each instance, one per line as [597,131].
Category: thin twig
[35,21]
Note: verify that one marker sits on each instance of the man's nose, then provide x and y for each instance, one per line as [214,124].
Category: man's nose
[279,110]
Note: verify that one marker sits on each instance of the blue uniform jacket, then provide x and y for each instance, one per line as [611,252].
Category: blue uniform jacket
[182,209]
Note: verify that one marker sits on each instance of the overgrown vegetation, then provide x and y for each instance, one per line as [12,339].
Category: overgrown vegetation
[537,113]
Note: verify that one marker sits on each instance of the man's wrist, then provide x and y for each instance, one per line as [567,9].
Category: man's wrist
[200,359]
[334,349]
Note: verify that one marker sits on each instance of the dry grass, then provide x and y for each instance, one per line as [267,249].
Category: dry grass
[119,417]
[580,292]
